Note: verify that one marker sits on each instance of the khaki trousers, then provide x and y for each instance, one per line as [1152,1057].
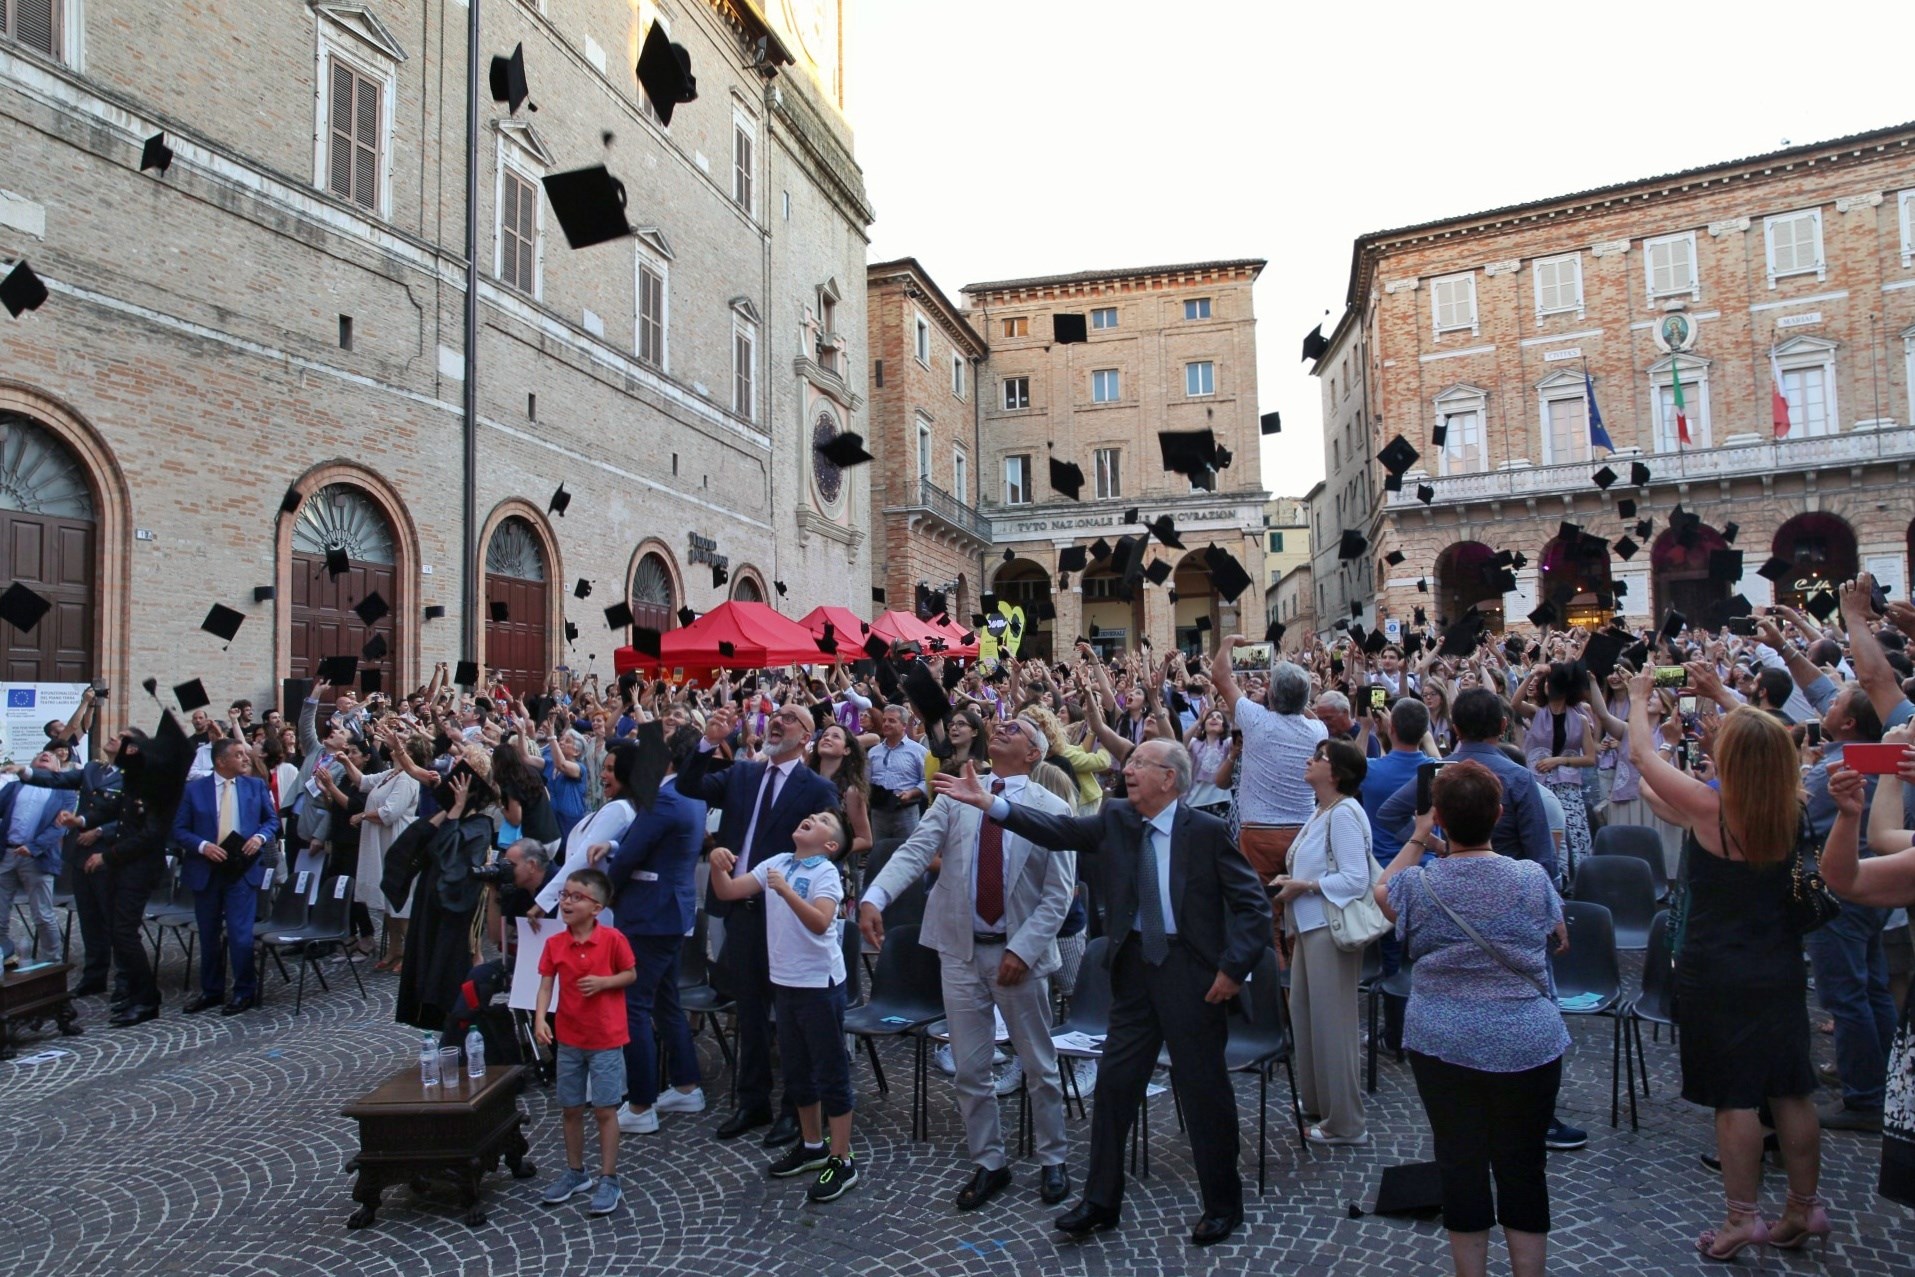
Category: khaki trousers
[1323,1016]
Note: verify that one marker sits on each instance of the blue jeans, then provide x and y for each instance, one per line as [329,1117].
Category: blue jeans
[652,1001]
[1851,980]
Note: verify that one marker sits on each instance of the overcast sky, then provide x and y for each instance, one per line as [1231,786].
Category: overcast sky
[1003,138]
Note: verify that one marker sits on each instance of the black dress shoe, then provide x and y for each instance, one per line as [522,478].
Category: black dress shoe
[783,1131]
[742,1120]
[134,1015]
[88,988]
[1054,1185]
[238,1005]
[983,1186]
[1212,1229]
[204,1001]
[1086,1218]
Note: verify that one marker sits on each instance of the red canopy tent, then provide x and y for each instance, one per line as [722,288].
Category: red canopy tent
[849,627]
[904,627]
[760,636]
[954,635]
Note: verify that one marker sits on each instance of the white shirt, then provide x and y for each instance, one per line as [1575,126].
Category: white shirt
[1272,790]
[776,774]
[800,958]
[1346,830]
[607,824]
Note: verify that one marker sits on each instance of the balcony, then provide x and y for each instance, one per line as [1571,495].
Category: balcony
[1748,455]
[934,502]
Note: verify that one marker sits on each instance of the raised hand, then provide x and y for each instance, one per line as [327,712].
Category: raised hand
[963,788]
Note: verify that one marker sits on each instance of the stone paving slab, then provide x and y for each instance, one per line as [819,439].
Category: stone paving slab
[213,1146]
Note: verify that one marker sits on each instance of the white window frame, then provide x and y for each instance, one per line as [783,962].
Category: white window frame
[921,340]
[1694,289]
[528,159]
[1456,402]
[361,41]
[1536,279]
[743,125]
[1201,305]
[960,475]
[1205,373]
[1819,267]
[654,255]
[1116,385]
[1099,311]
[1011,462]
[1906,201]
[1022,382]
[1015,326]
[745,326]
[1695,370]
[1799,354]
[1107,465]
[1437,326]
[69,35]
[1908,368]
[922,458]
[957,375]
[1557,388]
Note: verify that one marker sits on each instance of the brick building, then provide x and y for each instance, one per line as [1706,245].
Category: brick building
[282,309]
[1286,553]
[928,539]
[1802,260]
[1170,348]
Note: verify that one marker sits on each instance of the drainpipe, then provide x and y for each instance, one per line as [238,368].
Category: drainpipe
[469,487]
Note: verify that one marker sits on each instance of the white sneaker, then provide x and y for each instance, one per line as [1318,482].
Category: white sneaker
[672,1100]
[630,1123]
[947,1063]
[1086,1077]
[1011,1078]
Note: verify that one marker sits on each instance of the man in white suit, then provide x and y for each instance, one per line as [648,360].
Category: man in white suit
[993,919]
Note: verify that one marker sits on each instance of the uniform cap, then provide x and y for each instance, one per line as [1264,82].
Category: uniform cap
[1776,569]
[21,290]
[1158,571]
[339,670]
[1397,455]
[434,611]
[374,650]
[1068,330]
[1165,530]
[1422,586]
[665,73]
[686,616]
[290,503]
[1603,478]
[1440,433]
[1194,454]
[1425,493]
[1393,483]
[1010,555]
[1393,558]
[1544,615]
[1356,608]
[1601,651]
[156,154]
[370,681]
[1821,605]
[1460,638]
[1133,515]
[1626,549]
[1375,642]
[1067,477]
[508,79]
[571,632]
[499,611]
[1730,531]
[223,622]
[645,639]
[1201,624]
[924,692]
[371,609]
[1645,528]
[727,649]
[1072,558]
[590,205]
[1270,423]
[827,642]
[1352,545]
[264,593]
[1626,508]
[876,647]
[1099,549]
[191,695]
[1673,623]
[1273,633]
[619,615]
[780,587]
[1227,576]
[1725,565]
[1419,617]
[719,575]
[877,595]
[844,450]
[1315,343]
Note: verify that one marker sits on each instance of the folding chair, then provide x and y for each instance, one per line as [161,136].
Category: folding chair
[1640,842]
[330,926]
[1590,969]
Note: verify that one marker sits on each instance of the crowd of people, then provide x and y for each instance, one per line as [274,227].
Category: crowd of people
[1436,795]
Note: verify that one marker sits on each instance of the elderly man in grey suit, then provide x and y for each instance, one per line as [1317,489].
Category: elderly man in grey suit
[311,825]
[993,919]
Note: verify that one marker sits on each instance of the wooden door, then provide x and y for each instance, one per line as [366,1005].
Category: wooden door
[324,624]
[53,557]
[517,649]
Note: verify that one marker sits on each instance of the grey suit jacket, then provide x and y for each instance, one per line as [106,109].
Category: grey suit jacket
[315,818]
[1039,883]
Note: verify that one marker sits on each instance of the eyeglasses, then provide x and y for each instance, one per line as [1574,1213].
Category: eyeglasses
[565,896]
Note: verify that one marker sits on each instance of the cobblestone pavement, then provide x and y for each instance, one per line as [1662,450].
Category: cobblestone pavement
[212,1145]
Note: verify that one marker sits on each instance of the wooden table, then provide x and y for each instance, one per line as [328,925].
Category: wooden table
[31,995]
[409,1133]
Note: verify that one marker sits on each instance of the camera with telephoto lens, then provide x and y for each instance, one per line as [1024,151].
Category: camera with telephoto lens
[495,873]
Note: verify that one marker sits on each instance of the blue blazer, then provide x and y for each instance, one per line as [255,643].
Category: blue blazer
[654,866]
[735,792]
[198,821]
[47,836]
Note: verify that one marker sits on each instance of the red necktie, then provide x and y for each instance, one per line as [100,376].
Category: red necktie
[990,866]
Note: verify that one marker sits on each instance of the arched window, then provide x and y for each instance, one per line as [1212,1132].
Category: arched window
[653,600]
[341,517]
[745,590]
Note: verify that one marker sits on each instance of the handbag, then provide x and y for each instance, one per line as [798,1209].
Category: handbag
[1355,925]
[1485,945]
[1811,904]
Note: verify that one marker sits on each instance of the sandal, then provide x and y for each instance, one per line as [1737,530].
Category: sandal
[1814,1224]
[1741,1214]
[1317,1135]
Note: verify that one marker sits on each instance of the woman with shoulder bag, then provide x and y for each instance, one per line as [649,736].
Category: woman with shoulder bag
[1329,867]
[1482,1030]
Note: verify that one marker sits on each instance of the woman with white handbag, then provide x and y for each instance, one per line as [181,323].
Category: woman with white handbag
[1329,903]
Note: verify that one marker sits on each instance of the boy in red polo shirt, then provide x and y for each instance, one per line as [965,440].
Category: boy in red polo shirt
[591,964]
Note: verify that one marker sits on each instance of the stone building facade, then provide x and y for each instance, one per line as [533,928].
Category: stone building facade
[278,314]
[1287,556]
[1498,326]
[1342,589]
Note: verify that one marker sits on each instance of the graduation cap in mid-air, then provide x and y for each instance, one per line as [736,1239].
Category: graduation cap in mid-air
[589,203]
[1068,330]
[1067,477]
[844,450]
[1270,423]
[665,73]
[1072,558]
[619,615]
[1352,544]
[156,154]
[560,501]
[1315,344]
[1398,456]
[507,79]
[223,622]
[371,609]
[192,695]
[22,290]
[1227,576]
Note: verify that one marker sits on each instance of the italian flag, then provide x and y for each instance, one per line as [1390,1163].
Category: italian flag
[1682,411]
[1778,402]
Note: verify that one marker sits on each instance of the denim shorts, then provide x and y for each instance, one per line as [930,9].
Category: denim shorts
[595,1077]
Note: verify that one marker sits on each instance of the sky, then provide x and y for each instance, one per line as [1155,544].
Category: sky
[1006,138]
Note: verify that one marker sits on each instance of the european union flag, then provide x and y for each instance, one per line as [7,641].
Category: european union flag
[1598,437]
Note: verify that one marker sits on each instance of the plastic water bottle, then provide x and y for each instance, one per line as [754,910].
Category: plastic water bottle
[475,1054]
[428,1062]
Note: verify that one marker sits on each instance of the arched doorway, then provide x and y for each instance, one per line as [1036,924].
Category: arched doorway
[654,598]
[1195,598]
[1112,623]
[1022,583]
[345,518]
[1575,576]
[745,589]
[518,639]
[48,531]
[1820,550]
[1679,573]
[1467,579]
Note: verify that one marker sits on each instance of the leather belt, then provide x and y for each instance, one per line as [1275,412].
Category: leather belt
[989,937]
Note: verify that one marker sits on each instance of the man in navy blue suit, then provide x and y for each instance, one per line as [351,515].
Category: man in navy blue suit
[762,804]
[224,821]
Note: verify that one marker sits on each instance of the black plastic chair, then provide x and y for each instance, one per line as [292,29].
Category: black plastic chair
[1394,985]
[1089,1015]
[173,915]
[283,910]
[1259,1041]
[698,995]
[1623,885]
[907,993]
[1656,1003]
[329,927]
[1590,967]
[1640,842]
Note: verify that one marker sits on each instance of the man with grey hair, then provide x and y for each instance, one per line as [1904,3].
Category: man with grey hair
[896,766]
[1273,800]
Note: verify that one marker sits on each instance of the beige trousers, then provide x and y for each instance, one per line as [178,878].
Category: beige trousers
[1323,1015]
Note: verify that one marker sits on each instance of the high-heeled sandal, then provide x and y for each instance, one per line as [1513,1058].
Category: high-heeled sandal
[1758,1234]
[1814,1225]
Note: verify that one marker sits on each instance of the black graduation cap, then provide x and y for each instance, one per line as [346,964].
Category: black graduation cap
[1010,555]
[1158,571]
[590,205]
[1638,474]
[1569,532]
[877,595]
[1227,576]
[1067,477]
[1067,330]
[1738,605]
[1352,545]
[560,500]
[338,563]
[719,575]
[571,632]
[1821,604]
[1393,558]
[1626,549]
[726,648]
[1673,623]
[1315,343]
[780,587]
[1440,433]
[1725,565]
[1544,615]
[21,608]
[1270,423]
[508,80]
[156,154]
[1776,569]
[1192,453]
[223,622]
[1419,617]
[1422,587]
[1072,559]
[828,641]
[1425,493]
[1730,531]
[1620,587]
[1273,633]
[1460,638]
[1099,549]
[1626,508]
[619,615]
[987,601]
[844,450]
[1165,530]
[466,674]
[290,503]
[1201,624]
[582,590]
[665,73]
[21,290]
[1356,608]
[1397,455]
[1133,515]
[1393,483]
[1645,527]
[370,681]
[877,647]
[1603,478]
[371,609]
[339,670]
[264,593]
[1375,642]
[191,695]
[645,639]
[1601,651]
[925,693]
[499,611]
[1505,558]
[1504,581]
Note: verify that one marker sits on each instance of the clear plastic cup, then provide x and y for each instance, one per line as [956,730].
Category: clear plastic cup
[449,1072]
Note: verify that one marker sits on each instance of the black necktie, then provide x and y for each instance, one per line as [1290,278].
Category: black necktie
[763,823]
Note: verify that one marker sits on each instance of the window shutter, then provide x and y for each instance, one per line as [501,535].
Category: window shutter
[365,158]
[528,233]
[339,174]
[509,232]
[36,24]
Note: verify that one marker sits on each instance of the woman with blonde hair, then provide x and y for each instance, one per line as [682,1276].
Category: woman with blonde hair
[1085,765]
[1740,991]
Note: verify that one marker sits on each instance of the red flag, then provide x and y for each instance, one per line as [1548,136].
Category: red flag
[1682,413]
[1778,402]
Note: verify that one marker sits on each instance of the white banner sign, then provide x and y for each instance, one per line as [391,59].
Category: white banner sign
[30,707]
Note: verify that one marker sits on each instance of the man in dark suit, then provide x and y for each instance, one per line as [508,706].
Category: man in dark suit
[1188,921]
[762,803]
[223,822]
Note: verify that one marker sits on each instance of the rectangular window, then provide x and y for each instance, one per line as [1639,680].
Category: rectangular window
[1669,265]
[1795,245]
[1104,317]
[1110,481]
[1104,386]
[877,373]
[1463,445]
[741,169]
[1907,203]
[1200,378]
[34,23]
[1276,543]
[651,314]
[1559,285]
[924,450]
[1017,393]
[518,233]
[1453,302]
[352,169]
[960,476]
[1017,480]
[1196,308]
[957,375]
[1667,437]
[1567,422]
[1807,390]
[921,341]
[1017,326]
[744,391]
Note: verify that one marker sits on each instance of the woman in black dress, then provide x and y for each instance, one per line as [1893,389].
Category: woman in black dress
[1740,989]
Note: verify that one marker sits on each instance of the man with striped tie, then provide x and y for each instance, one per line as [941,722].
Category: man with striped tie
[225,821]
